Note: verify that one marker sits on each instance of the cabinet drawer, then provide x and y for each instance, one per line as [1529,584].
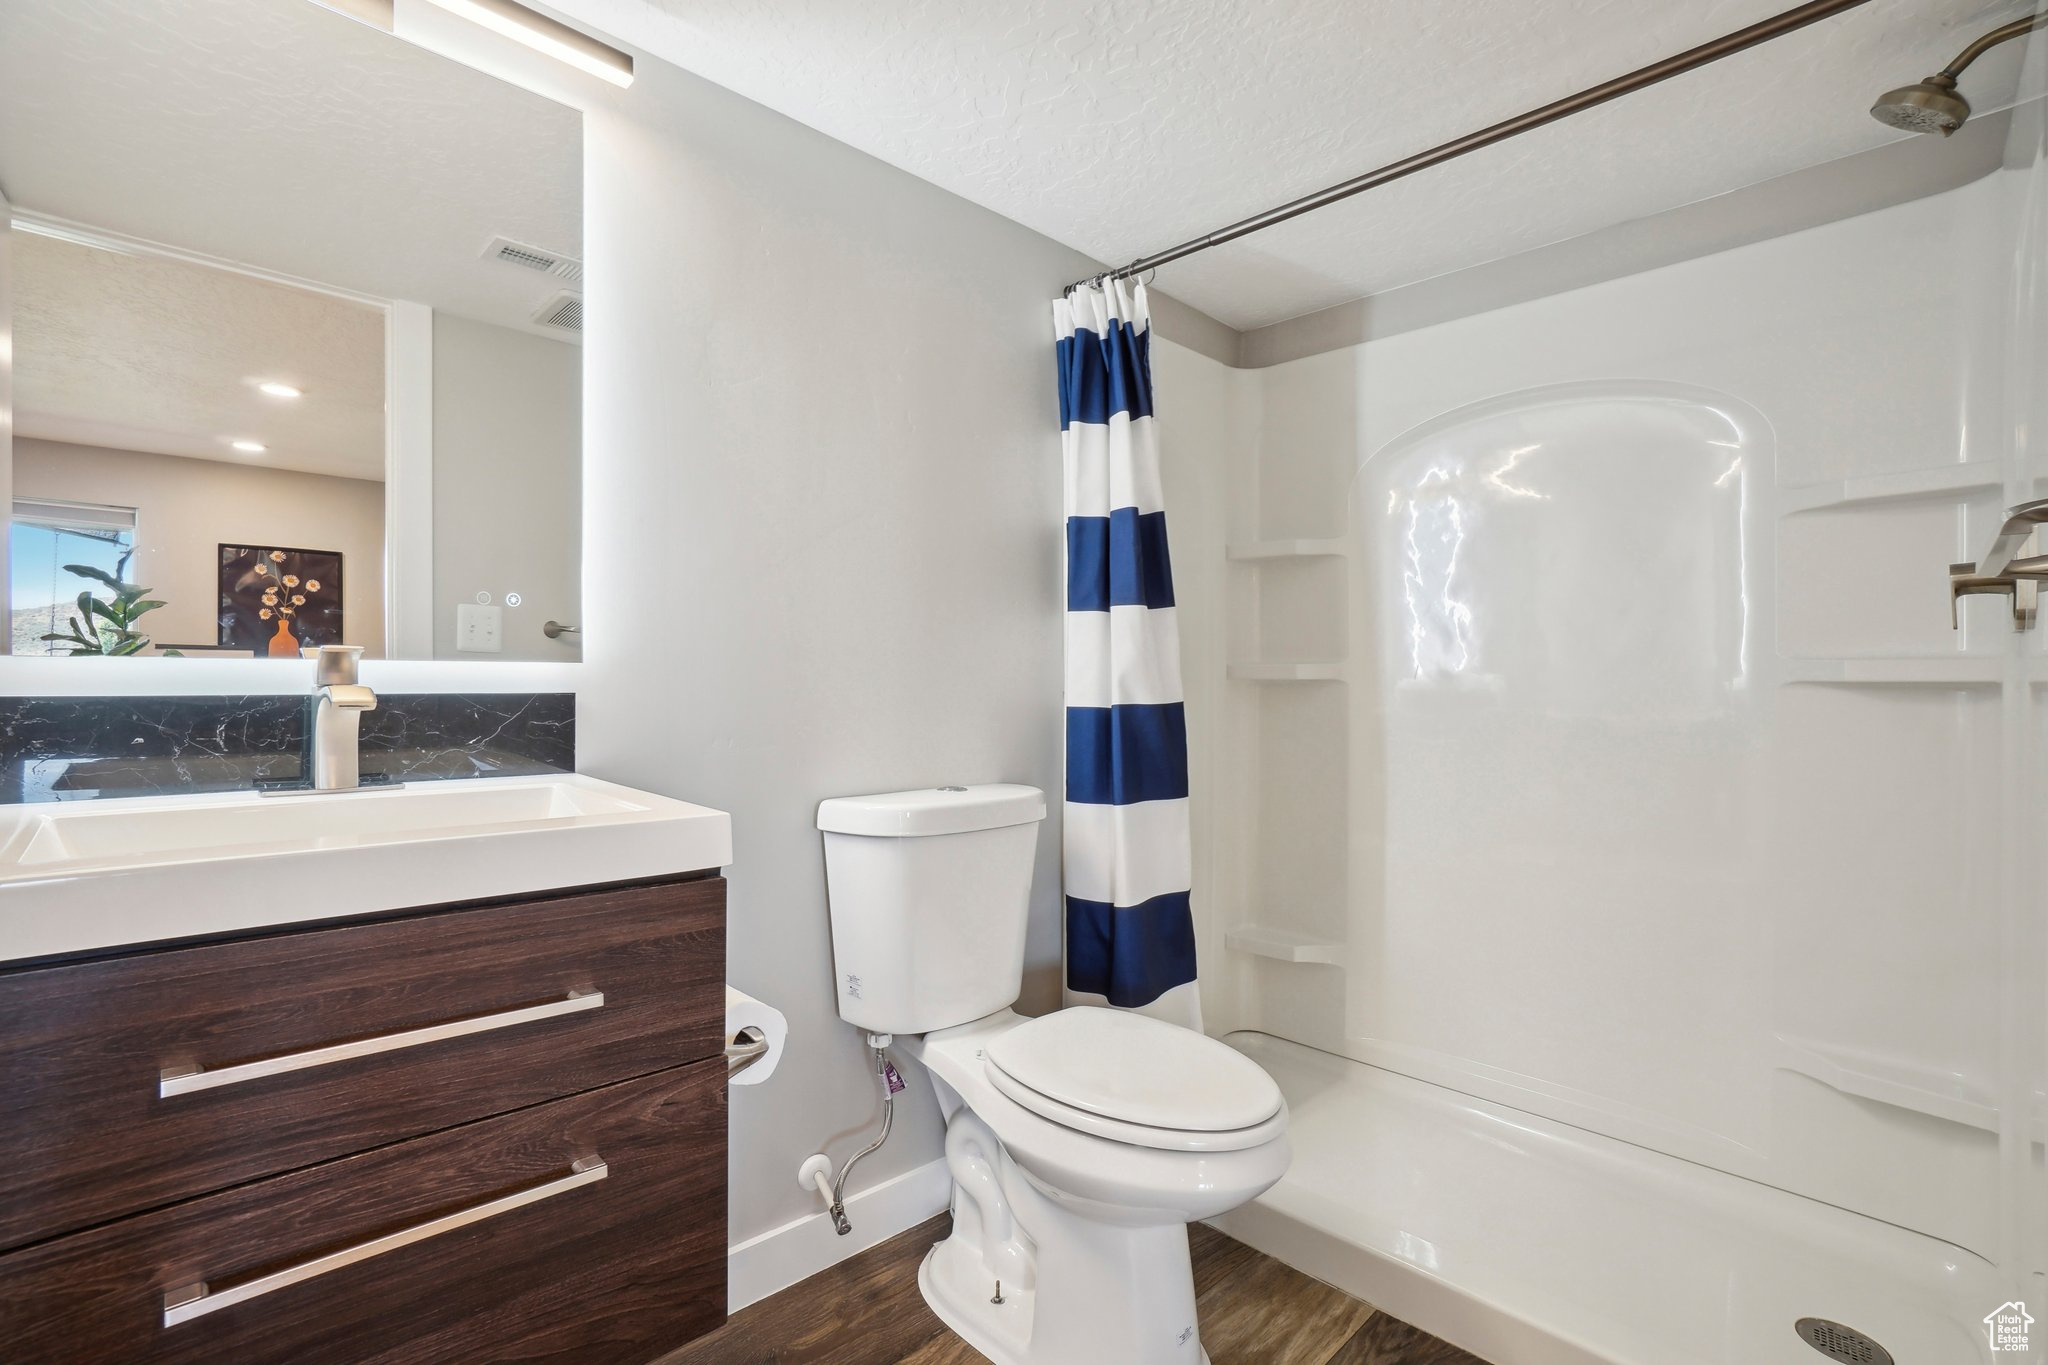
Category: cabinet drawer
[135,1081]
[496,1241]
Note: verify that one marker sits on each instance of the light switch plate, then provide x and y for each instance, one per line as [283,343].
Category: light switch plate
[479,629]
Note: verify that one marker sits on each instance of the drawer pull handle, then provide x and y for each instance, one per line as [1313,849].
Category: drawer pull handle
[196,1300]
[184,1080]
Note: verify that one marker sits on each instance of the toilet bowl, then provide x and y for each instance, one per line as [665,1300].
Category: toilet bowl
[1086,1233]
[1080,1144]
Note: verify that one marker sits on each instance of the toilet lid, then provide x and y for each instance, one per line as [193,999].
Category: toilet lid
[1135,1070]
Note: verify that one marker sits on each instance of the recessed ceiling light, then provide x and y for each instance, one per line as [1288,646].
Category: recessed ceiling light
[543,34]
[278,390]
[249,447]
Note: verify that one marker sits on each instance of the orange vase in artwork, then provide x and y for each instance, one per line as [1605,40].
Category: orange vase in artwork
[283,644]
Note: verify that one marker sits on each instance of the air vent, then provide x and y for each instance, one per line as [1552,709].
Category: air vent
[1844,1344]
[529,257]
[564,310]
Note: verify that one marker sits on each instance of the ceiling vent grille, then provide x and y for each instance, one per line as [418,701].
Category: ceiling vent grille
[564,310]
[530,257]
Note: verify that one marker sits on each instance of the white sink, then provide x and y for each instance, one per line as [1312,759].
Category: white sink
[87,875]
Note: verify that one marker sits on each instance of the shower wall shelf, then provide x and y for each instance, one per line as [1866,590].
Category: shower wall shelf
[1281,945]
[1287,549]
[1969,477]
[1294,672]
[1933,670]
[1919,1090]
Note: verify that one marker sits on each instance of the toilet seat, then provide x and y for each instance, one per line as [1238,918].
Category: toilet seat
[1137,1080]
[1137,1134]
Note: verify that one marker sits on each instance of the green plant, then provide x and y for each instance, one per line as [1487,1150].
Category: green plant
[108,627]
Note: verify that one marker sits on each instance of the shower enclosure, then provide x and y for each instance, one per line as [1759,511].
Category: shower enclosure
[1630,875]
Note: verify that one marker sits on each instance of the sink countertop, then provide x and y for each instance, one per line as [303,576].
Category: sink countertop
[91,876]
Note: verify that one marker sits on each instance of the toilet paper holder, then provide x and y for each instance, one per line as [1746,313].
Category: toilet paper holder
[754,1038]
[743,1049]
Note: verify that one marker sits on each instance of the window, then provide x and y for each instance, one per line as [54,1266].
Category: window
[46,535]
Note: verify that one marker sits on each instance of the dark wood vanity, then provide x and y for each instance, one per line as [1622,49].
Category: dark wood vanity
[476,1133]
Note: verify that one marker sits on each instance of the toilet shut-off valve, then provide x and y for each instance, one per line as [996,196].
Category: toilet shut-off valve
[816,1172]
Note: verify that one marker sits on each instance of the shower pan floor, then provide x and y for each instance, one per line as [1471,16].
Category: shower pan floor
[1531,1242]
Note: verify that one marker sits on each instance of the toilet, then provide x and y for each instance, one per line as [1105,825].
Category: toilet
[1081,1144]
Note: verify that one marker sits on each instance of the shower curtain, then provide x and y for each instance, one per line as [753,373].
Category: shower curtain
[1130,930]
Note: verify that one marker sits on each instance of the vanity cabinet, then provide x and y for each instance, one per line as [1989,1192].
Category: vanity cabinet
[474,1133]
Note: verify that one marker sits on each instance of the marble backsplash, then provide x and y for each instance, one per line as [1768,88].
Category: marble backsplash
[79,748]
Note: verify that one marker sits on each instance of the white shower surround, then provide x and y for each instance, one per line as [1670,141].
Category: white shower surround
[1667,817]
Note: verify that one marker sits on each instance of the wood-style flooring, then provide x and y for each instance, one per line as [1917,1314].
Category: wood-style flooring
[1254,1311]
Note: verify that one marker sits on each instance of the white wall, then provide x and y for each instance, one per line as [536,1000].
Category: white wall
[186,509]
[508,476]
[1741,920]
[824,541]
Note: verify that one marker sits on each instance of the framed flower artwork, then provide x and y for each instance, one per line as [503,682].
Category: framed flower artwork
[278,600]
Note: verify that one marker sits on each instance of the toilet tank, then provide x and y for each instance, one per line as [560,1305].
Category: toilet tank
[930,892]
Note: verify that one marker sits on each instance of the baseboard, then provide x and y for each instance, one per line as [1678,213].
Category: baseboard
[783,1256]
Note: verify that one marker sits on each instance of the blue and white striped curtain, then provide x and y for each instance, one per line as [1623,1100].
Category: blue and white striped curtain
[1130,930]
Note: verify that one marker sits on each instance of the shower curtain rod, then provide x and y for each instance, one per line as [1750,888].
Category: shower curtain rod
[1775,27]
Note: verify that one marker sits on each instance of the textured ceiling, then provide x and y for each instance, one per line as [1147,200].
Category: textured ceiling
[278,134]
[141,352]
[1121,128]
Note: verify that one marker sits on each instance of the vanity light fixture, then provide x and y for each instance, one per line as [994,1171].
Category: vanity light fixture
[249,447]
[542,34]
[277,389]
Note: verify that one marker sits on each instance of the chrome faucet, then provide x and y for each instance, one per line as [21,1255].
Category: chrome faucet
[2003,571]
[335,736]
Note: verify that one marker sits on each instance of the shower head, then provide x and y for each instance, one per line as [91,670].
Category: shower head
[1935,105]
[1932,106]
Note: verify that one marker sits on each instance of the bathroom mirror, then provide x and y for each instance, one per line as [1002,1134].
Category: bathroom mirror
[295,309]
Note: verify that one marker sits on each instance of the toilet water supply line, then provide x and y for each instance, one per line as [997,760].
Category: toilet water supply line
[818,1170]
